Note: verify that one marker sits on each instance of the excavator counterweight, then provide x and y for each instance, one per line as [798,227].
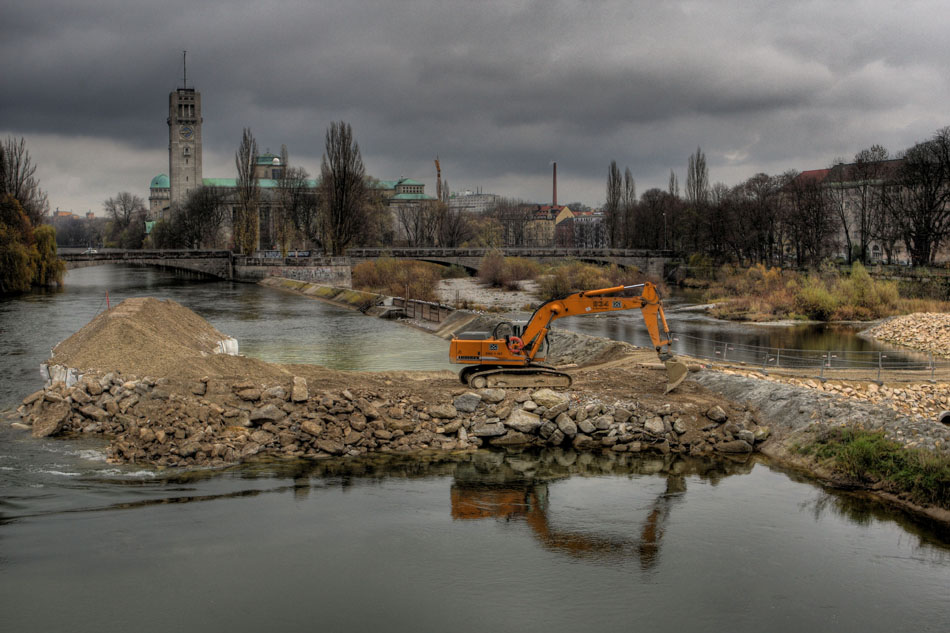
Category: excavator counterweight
[513,356]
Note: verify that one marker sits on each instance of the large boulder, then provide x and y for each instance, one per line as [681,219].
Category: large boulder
[511,438]
[299,392]
[523,421]
[51,419]
[267,413]
[566,425]
[489,430]
[492,396]
[467,402]
[735,446]
[443,411]
[548,398]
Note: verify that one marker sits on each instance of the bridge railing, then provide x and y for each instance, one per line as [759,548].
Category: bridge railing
[370,253]
[119,254]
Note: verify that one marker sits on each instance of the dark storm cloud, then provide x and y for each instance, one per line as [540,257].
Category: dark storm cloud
[497,89]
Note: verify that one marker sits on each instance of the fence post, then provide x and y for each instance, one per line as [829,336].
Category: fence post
[932,367]
[879,363]
[821,374]
[778,356]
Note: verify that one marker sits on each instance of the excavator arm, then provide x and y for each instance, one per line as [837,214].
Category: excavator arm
[514,361]
[596,301]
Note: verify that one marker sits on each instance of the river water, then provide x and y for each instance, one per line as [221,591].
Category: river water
[554,541]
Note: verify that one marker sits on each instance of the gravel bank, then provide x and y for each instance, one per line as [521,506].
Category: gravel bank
[925,331]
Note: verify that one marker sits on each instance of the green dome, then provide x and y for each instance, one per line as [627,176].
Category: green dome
[160,182]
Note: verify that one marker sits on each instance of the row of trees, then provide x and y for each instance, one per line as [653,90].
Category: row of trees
[27,246]
[795,218]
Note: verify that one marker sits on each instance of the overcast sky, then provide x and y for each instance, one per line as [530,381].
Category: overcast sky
[497,90]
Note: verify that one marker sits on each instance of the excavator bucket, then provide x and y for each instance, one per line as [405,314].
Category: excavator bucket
[676,371]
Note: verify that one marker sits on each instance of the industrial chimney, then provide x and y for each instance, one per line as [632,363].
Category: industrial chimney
[554,201]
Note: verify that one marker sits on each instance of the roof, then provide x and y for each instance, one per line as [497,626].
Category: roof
[267,159]
[853,172]
[412,196]
[813,175]
[265,183]
[392,184]
[160,182]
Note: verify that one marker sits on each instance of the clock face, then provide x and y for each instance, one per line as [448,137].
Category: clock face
[186,132]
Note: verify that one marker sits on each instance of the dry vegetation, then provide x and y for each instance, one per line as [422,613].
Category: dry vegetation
[399,278]
[763,294]
[499,271]
[573,276]
[557,280]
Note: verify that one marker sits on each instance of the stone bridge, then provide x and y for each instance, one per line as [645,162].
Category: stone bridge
[222,264]
[218,263]
[649,262]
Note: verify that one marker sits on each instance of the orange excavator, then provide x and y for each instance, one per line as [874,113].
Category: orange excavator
[513,355]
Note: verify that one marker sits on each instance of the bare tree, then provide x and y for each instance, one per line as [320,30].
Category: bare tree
[123,207]
[613,210]
[628,205]
[342,188]
[454,226]
[298,203]
[871,168]
[246,221]
[418,223]
[921,196]
[697,179]
[127,214]
[200,219]
[18,179]
[808,219]
[513,217]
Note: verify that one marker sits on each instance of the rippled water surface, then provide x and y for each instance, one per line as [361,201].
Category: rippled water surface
[486,541]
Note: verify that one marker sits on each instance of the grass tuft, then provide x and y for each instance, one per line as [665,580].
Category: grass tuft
[870,458]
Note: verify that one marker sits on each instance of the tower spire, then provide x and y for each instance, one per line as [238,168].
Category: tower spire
[184,64]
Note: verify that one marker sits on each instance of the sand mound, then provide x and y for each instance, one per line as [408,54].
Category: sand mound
[142,336]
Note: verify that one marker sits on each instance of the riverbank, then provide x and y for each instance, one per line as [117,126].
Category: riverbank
[620,387]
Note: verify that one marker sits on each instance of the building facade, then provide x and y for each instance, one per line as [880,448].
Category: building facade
[171,190]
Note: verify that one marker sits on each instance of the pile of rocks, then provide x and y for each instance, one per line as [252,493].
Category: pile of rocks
[927,331]
[216,423]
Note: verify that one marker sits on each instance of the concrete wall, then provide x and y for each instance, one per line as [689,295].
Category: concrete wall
[330,271]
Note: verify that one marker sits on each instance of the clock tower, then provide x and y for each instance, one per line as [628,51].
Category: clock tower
[184,143]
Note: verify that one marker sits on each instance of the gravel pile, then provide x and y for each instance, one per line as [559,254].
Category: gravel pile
[145,336]
[926,331]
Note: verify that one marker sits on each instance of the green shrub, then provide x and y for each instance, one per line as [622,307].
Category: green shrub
[870,458]
[814,300]
[454,272]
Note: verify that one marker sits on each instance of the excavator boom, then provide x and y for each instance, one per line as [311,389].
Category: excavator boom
[516,359]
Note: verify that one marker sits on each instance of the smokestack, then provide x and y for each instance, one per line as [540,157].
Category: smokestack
[554,201]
